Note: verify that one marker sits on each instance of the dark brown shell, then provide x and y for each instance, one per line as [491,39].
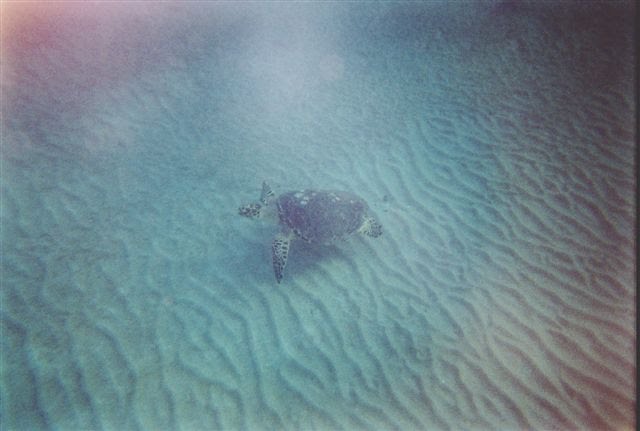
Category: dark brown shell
[321,216]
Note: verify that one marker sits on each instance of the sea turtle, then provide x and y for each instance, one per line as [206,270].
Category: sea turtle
[315,216]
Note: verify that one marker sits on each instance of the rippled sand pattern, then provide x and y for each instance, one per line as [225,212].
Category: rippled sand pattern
[495,145]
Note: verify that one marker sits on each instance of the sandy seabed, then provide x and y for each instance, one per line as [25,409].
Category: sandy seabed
[494,142]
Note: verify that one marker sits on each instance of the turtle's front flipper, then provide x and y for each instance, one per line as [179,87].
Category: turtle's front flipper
[280,252]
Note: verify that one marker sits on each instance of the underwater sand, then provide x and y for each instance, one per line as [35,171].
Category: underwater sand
[493,141]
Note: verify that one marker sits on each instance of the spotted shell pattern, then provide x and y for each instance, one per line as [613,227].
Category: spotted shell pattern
[321,216]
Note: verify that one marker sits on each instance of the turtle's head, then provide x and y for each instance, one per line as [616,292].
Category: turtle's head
[261,209]
[251,210]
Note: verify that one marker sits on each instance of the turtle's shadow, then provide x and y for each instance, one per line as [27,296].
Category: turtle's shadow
[256,260]
[305,257]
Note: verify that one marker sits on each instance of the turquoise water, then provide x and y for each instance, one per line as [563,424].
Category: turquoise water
[493,141]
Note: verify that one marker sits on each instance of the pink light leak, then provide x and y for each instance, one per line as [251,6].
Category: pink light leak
[60,60]
[77,46]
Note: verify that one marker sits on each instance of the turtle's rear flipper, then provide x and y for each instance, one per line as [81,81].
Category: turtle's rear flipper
[371,227]
[280,252]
